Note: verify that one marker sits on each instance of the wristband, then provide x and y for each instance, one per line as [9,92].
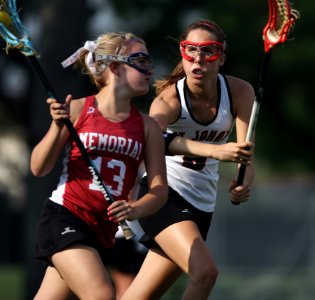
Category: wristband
[168,138]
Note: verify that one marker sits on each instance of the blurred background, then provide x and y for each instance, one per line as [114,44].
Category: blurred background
[265,249]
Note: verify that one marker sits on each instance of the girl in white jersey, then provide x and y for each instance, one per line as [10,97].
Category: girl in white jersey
[77,224]
[198,107]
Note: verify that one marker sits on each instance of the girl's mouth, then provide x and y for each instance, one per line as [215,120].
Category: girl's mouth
[197,72]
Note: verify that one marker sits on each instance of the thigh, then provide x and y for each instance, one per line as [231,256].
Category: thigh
[60,288]
[183,244]
[83,270]
[176,210]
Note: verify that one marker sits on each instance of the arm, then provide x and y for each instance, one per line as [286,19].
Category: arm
[154,161]
[45,154]
[243,95]
[229,152]
[165,109]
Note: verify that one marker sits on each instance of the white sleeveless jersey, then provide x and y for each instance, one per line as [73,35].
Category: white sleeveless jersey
[195,178]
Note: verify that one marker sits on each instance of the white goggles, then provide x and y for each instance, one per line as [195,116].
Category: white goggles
[139,61]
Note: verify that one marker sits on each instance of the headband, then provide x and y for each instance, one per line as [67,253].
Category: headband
[89,46]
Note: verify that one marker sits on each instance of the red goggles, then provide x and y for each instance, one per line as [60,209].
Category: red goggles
[209,51]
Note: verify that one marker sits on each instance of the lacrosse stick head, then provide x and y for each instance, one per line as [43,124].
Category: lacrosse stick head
[12,30]
[281,20]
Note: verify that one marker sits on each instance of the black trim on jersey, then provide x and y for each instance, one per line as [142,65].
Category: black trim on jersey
[188,104]
[230,95]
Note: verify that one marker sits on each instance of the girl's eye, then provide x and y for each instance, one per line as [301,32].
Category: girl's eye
[191,49]
[141,61]
[207,50]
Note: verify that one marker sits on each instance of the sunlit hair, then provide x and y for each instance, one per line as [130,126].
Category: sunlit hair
[178,71]
[109,43]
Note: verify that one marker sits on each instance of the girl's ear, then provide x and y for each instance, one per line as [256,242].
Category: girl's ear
[222,59]
[114,67]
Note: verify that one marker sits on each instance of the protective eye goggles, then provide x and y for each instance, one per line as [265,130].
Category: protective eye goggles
[139,61]
[209,51]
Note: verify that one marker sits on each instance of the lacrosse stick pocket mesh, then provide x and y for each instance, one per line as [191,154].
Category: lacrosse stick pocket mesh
[281,20]
[12,30]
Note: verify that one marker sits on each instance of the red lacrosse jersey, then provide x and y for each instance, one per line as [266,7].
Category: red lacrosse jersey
[116,149]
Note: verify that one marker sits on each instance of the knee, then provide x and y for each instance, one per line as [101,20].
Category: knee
[206,275]
[99,293]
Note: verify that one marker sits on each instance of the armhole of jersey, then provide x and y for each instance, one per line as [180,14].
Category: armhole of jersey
[230,95]
[180,103]
[87,103]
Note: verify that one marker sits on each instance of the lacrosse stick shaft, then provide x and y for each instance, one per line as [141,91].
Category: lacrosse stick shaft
[97,177]
[52,94]
[255,112]
[281,20]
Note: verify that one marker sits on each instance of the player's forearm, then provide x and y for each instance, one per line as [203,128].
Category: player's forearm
[183,146]
[249,174]
[46,152]
[151,202]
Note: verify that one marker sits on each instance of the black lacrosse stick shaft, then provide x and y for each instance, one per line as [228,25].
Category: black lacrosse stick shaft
[69,125]
[259,95]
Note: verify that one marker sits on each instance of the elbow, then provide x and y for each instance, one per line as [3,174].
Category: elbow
[170,147]
[38,167]
[162,195]
[37,171]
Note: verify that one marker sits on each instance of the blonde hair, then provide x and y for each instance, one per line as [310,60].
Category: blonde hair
[115,43]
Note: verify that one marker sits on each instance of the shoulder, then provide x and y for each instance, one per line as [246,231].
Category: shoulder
[76,107]
[238,86]
[167,101]
[242,93]
[169,95]
[149,122]
[152,130]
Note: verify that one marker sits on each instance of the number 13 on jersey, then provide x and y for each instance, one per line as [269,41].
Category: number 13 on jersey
[119,172]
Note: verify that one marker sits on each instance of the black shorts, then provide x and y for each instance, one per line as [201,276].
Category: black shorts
[126,256]
[59,228]
[175,210]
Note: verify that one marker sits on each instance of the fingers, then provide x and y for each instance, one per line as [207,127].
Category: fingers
[243,159]
[240,193]
[245,153]
[247,145]
[59,111]
[119,211]
[68,99]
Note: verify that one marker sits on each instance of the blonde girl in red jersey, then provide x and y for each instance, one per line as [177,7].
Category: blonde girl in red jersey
[77,225]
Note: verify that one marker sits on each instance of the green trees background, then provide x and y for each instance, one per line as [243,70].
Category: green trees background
[286,126]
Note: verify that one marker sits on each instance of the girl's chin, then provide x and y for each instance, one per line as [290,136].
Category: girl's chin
[197,76]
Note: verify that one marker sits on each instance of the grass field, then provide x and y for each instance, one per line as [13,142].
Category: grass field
[232,284]
[11,282]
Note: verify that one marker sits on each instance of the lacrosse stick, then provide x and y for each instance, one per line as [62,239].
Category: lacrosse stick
[281,20]
[16,37]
